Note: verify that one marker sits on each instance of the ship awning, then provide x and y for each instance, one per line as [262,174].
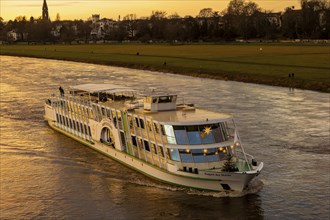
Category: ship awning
[97,88]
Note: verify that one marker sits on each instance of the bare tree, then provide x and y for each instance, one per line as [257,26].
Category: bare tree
[130,23]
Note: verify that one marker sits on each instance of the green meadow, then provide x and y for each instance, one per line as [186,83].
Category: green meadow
[258,63]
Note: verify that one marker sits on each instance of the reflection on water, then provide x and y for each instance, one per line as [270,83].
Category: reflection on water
[47,175]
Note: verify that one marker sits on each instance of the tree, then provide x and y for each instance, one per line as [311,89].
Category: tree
[292,23]
[241,16]
[229,165]
[174,16]
[67,35]
[158,24]
[235,8]
[130,23]
[311,10]
[2,30]
[205,13]
[158,15]
[84,29]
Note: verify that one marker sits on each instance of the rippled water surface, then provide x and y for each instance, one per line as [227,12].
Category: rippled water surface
[47,175]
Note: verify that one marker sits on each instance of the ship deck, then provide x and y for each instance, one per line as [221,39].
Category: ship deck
[182,114]
[123,98]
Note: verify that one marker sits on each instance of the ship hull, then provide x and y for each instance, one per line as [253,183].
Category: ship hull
[208,181]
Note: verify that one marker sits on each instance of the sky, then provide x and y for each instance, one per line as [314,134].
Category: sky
[83,9]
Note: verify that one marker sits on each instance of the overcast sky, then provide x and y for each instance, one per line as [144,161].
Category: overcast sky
[83,9]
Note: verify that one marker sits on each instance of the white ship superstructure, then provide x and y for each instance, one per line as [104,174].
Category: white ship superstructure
[156,135]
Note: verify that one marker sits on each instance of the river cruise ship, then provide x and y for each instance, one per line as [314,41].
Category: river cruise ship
[156,134]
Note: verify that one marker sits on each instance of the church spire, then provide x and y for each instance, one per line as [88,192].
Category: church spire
[45,11]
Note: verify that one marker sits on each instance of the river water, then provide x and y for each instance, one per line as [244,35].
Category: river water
[46,175]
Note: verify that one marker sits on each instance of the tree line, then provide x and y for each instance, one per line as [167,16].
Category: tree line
[240,20]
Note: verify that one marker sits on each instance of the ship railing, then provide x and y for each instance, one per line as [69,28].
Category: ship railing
[240,155]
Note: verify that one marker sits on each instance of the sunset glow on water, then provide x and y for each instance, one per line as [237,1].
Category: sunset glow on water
[47,175]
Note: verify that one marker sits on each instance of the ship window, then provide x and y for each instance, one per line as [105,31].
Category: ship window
[89,131]
[223,131]
[194,137]
[78,126]
[174,154]
[154,148]
[162,129]
[217,135]
[160,149]
[85,129]
[181,135]
[165,99]
[122,136]
[170,134]
[134,141]
[141,124]
[154,100]
[196,152]
[186,156]
[207,139]
[146,145]
[156,128]
[200,159]
[103,111]
[212,158]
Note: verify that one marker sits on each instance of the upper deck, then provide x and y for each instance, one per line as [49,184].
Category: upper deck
[167,111]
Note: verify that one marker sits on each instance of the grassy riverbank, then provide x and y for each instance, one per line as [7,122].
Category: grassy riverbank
[257,63]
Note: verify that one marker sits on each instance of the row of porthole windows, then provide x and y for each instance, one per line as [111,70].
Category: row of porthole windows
[75,125]
[200,155]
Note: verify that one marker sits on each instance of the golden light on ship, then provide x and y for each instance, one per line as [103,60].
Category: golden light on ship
[207,130]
